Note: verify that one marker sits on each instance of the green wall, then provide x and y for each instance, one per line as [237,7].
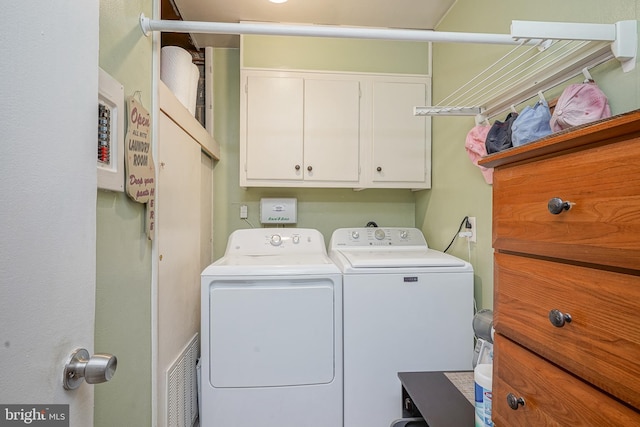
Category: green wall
[123,287]
[322,209]
[458,187]
[310,53]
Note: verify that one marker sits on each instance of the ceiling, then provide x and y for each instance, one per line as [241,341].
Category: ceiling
[407,14]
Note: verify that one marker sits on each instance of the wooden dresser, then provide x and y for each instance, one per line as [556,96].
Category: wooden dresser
[566,234]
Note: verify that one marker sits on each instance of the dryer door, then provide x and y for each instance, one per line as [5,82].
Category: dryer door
[274,332]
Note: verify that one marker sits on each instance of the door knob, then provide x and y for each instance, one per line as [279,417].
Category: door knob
[96,369]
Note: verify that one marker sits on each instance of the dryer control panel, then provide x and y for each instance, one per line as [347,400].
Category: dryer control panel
[378,236]
[266,241]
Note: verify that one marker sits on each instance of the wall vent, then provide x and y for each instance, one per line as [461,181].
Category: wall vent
[182,387]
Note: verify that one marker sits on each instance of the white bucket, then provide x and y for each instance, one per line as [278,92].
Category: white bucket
[482,378]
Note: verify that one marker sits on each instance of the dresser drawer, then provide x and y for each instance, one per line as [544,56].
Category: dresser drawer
[551,396]
[602,225]
[601,343]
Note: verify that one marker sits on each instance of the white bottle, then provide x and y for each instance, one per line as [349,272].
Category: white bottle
[482,375]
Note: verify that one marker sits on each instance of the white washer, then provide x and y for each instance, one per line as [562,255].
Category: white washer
[272,332]
[406,308]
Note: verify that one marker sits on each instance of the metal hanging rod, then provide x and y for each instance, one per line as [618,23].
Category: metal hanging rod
[148,25]
[622,35]
[522,32]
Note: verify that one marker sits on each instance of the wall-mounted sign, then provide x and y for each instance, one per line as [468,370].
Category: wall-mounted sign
[140,178]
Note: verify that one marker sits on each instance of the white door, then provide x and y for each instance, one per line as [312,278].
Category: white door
[282,335]
[178,225]
[274,139]
[332,130]
[400,139]
[48,200]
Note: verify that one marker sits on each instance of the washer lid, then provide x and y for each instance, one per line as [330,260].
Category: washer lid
[400,258]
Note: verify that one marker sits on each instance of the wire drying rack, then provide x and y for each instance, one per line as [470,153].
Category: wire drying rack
[527,70]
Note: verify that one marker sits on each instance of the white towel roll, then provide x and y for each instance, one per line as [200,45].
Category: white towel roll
[193,89]
[177,73]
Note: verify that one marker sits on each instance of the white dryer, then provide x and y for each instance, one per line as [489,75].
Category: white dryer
[405,308]
[271,352]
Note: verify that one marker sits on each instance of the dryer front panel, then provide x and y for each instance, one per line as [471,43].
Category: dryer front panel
[271,333]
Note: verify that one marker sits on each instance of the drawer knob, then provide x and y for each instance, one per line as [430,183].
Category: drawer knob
[309,168]
[557,205]
[297,167]
[514,402]
[558,318]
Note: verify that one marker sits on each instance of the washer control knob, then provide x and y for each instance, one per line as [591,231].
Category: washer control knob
[355,235]
[276,240]
[404,234]
[379,233]
[295,239]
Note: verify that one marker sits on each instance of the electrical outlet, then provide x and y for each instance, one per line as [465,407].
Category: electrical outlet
[472,221]
[244,212]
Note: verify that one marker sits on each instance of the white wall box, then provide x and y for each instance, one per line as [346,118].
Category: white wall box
[278,211]
[110,143]
[335,130]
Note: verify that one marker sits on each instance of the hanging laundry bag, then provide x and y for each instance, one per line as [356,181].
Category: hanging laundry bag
[579,104]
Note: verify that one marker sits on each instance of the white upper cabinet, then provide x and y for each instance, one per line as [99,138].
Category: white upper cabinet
[313,129]
[273,128]
[332,130]
[399,139]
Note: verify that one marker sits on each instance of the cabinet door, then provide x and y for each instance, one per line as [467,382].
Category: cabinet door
[178,223]
[400,139]
[331,130]
[274,128]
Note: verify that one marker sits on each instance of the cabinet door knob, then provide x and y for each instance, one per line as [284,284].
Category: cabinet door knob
[297,167]
[557,205]
[558,318]
[379,169]
[309,168]
[514,402]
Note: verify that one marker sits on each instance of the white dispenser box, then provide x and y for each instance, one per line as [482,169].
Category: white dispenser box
[278,211]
